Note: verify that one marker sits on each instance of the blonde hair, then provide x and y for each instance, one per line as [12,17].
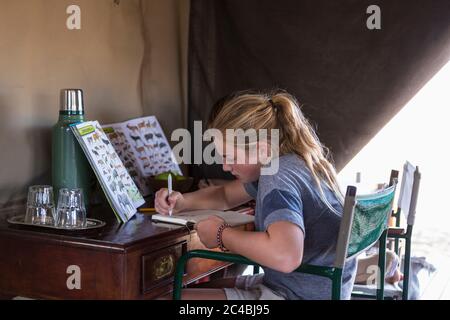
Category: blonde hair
[278,110]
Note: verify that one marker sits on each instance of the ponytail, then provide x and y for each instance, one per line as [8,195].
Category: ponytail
[279,110]
[297,136]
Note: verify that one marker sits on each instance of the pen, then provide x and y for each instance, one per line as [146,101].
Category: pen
[148,213]
[145,210]
[169,186]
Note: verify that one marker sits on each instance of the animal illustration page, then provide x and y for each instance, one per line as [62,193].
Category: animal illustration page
[143,148]
[120,189]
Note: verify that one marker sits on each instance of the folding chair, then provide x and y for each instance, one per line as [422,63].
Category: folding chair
[363,222]
[407,202]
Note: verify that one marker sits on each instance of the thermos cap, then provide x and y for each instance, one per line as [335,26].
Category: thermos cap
[72,100]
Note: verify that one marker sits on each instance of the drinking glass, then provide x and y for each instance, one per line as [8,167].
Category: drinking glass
[71,212]
[40,205]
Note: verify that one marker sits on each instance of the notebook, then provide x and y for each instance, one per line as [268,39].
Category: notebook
[233,218]
[117,184]
[143,148]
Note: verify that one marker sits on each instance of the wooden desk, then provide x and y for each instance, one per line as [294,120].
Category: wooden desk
[135,260]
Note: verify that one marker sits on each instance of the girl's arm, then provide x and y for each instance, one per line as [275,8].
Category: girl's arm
[227,196]
[280,248]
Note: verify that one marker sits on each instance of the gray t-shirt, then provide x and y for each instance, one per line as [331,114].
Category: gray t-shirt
[292,195]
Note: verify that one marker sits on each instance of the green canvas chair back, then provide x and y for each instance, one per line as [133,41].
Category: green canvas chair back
[370,220]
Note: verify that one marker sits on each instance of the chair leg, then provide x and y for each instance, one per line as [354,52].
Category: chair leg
[381,266]
[397,246]
[178,277]
[406,268]
[397,240]
[336,285]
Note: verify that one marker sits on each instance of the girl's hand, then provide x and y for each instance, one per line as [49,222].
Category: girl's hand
[207,231]
[163,202]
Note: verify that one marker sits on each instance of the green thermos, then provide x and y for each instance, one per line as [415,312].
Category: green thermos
[70,167]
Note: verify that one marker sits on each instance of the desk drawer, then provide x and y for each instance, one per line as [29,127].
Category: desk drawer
[158,267]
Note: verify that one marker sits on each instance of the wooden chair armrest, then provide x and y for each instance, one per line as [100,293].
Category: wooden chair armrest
[396,231]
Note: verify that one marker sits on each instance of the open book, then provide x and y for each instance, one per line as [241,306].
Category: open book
[233,218]
[120,190]
[143,148]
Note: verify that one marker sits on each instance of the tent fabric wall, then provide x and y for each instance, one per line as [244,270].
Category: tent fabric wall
[350,80]
[128,58]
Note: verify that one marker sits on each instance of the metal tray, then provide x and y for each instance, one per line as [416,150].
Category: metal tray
[91,224]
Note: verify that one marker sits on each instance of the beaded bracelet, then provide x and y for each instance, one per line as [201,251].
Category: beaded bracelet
[219,236]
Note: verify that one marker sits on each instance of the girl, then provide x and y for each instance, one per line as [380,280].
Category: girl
[298,207]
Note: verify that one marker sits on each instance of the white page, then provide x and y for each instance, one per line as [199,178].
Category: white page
[231,217]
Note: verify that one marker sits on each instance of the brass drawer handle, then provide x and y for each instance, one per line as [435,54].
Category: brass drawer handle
[163,266]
